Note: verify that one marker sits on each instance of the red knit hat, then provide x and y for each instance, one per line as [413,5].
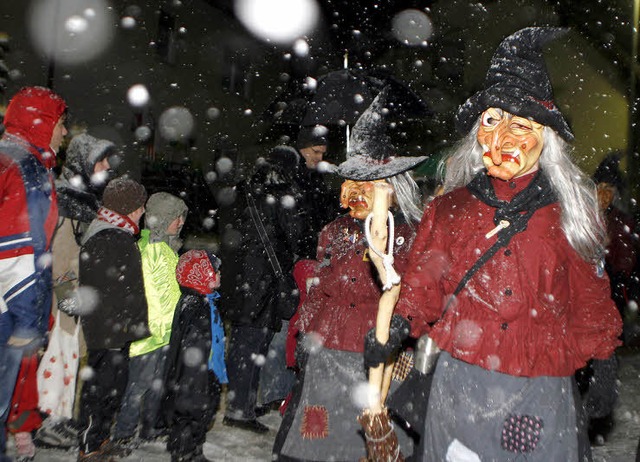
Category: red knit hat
[198,270]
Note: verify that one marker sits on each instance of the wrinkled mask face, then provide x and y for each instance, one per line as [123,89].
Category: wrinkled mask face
[511,144]
[358,197]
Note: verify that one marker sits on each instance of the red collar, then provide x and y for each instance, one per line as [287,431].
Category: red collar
[117,219]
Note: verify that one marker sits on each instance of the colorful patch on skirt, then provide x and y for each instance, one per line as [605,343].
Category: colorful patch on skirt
[402,366]
[521,433]
[315,423]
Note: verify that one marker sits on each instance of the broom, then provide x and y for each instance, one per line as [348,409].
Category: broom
[382,442]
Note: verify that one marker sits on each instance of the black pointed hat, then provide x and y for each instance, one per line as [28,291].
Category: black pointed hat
[371,154]
[517,82]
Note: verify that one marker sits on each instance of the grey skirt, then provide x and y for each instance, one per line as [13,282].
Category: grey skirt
[479,415]
[324,427]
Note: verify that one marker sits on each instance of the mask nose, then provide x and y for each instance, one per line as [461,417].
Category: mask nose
[496,148]
[501,140]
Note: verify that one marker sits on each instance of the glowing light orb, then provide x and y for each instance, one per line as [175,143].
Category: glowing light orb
[138,95]
[176,124]
[73,31]
[279,21]
[412,27]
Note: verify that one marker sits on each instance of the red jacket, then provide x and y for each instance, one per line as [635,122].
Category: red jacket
[28,212]
[535,308]
[342,307]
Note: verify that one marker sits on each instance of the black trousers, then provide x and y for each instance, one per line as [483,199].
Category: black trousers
[246,346]
[192,414]
[102,395]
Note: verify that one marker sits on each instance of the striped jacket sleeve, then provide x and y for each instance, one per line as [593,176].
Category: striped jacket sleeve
[17,262]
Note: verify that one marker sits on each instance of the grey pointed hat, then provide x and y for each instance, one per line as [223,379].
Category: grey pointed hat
[371,154]
[517,82]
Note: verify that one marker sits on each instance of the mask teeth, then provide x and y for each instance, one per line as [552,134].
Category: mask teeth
[517,153]
[485,148]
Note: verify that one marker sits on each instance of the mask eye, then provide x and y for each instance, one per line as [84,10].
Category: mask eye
[488,120]
[519,125]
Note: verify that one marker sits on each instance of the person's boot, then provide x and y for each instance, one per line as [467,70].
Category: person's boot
[60,434]
[599,429]
[265,409]
[196,456]
[95,456]
[117,448]
[199,455]
[251,425]
[25,449]
[152,434]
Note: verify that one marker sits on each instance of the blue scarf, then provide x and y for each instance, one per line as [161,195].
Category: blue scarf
[216,357]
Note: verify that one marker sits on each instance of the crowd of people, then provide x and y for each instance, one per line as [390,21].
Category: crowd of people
[519,270]
[73,255]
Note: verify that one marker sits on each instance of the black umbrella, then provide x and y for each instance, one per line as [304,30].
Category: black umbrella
[340,97]
[288,108]
[403,103]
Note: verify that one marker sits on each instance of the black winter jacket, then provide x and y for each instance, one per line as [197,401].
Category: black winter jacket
[111,270]
[276,197]
[192,390]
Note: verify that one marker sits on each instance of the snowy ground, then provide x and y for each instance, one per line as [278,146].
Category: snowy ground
[230,444]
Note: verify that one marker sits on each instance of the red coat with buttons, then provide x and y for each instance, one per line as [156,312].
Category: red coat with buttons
[535,308]
[342,306]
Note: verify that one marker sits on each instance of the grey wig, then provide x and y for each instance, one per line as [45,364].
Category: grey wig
[582,223]
[407,195]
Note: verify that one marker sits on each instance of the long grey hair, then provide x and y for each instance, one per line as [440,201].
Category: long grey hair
[407,195]
[582,223]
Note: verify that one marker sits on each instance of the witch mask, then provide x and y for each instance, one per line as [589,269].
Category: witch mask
[358,197]
[511,144]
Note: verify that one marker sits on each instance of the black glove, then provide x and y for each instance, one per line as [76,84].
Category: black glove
[376,353]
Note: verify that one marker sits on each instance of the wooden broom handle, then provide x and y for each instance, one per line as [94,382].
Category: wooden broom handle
[388,299]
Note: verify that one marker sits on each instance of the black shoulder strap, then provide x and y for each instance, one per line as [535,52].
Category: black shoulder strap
[490,252]
[271,254]
[504,237]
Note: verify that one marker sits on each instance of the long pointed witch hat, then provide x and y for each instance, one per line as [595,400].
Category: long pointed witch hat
[371,152]
[517,82]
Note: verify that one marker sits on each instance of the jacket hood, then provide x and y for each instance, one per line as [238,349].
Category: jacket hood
[278,168]
[83,153]
[32,115]
[161,209]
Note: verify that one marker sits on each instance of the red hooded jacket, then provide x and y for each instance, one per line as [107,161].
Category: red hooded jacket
[28,211]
